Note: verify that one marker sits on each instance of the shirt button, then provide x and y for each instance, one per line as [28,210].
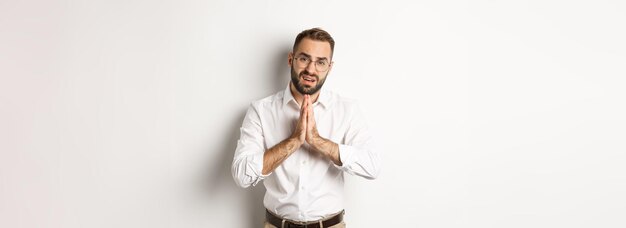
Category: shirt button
[304,162]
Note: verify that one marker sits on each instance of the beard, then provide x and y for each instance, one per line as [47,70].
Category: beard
[305,89]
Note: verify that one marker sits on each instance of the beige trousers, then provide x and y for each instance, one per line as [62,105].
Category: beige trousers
[340,225]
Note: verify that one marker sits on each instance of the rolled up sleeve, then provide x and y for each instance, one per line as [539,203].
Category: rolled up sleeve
[357,153]
[248,160]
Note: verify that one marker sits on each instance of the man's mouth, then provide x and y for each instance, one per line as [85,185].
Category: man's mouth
[308,78]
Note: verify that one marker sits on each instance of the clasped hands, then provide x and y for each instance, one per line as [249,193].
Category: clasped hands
[306,130]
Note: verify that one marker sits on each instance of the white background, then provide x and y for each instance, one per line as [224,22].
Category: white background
[488,113]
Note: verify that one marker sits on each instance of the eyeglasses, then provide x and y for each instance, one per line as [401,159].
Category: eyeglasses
[303,61]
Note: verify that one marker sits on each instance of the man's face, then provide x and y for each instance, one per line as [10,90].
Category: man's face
[309,78]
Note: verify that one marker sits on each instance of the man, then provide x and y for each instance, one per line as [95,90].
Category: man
[300,141]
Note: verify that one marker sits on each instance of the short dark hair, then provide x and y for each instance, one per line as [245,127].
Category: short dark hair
[315,34]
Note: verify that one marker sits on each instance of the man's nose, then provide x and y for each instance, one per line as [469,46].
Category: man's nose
[311,67]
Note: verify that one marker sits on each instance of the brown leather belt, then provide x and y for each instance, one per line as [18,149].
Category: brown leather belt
[278,222]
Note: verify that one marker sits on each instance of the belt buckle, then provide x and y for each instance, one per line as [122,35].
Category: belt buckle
[293,225]
[297,224]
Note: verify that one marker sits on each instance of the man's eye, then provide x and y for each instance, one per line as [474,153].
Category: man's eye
[321,63]
[303,59]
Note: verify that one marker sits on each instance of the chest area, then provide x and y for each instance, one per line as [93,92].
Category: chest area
[280,124]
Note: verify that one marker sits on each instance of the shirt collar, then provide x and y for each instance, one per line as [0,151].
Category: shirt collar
[324,99]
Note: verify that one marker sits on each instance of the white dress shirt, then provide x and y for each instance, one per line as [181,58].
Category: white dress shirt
[306,186]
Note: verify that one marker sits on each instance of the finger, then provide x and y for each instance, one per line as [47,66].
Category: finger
[305,101]
[310,116]
[310,108]
[310,122]
[302,118]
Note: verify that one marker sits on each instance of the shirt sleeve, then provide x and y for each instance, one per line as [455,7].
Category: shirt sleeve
[357,154]
[248,160]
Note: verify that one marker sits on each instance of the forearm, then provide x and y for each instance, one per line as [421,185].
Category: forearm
[273,157]
[328,148]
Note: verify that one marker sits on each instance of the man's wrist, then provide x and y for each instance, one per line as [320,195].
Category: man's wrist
[329,148]
[318,142]
[295,139]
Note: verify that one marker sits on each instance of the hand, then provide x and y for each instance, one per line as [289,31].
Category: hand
[319,144]
[301,128]
[306,130]
[312,136]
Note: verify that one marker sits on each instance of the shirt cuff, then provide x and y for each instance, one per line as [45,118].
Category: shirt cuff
[255,168]
[346,155]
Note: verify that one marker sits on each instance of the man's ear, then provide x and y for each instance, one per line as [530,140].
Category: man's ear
[290,58]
